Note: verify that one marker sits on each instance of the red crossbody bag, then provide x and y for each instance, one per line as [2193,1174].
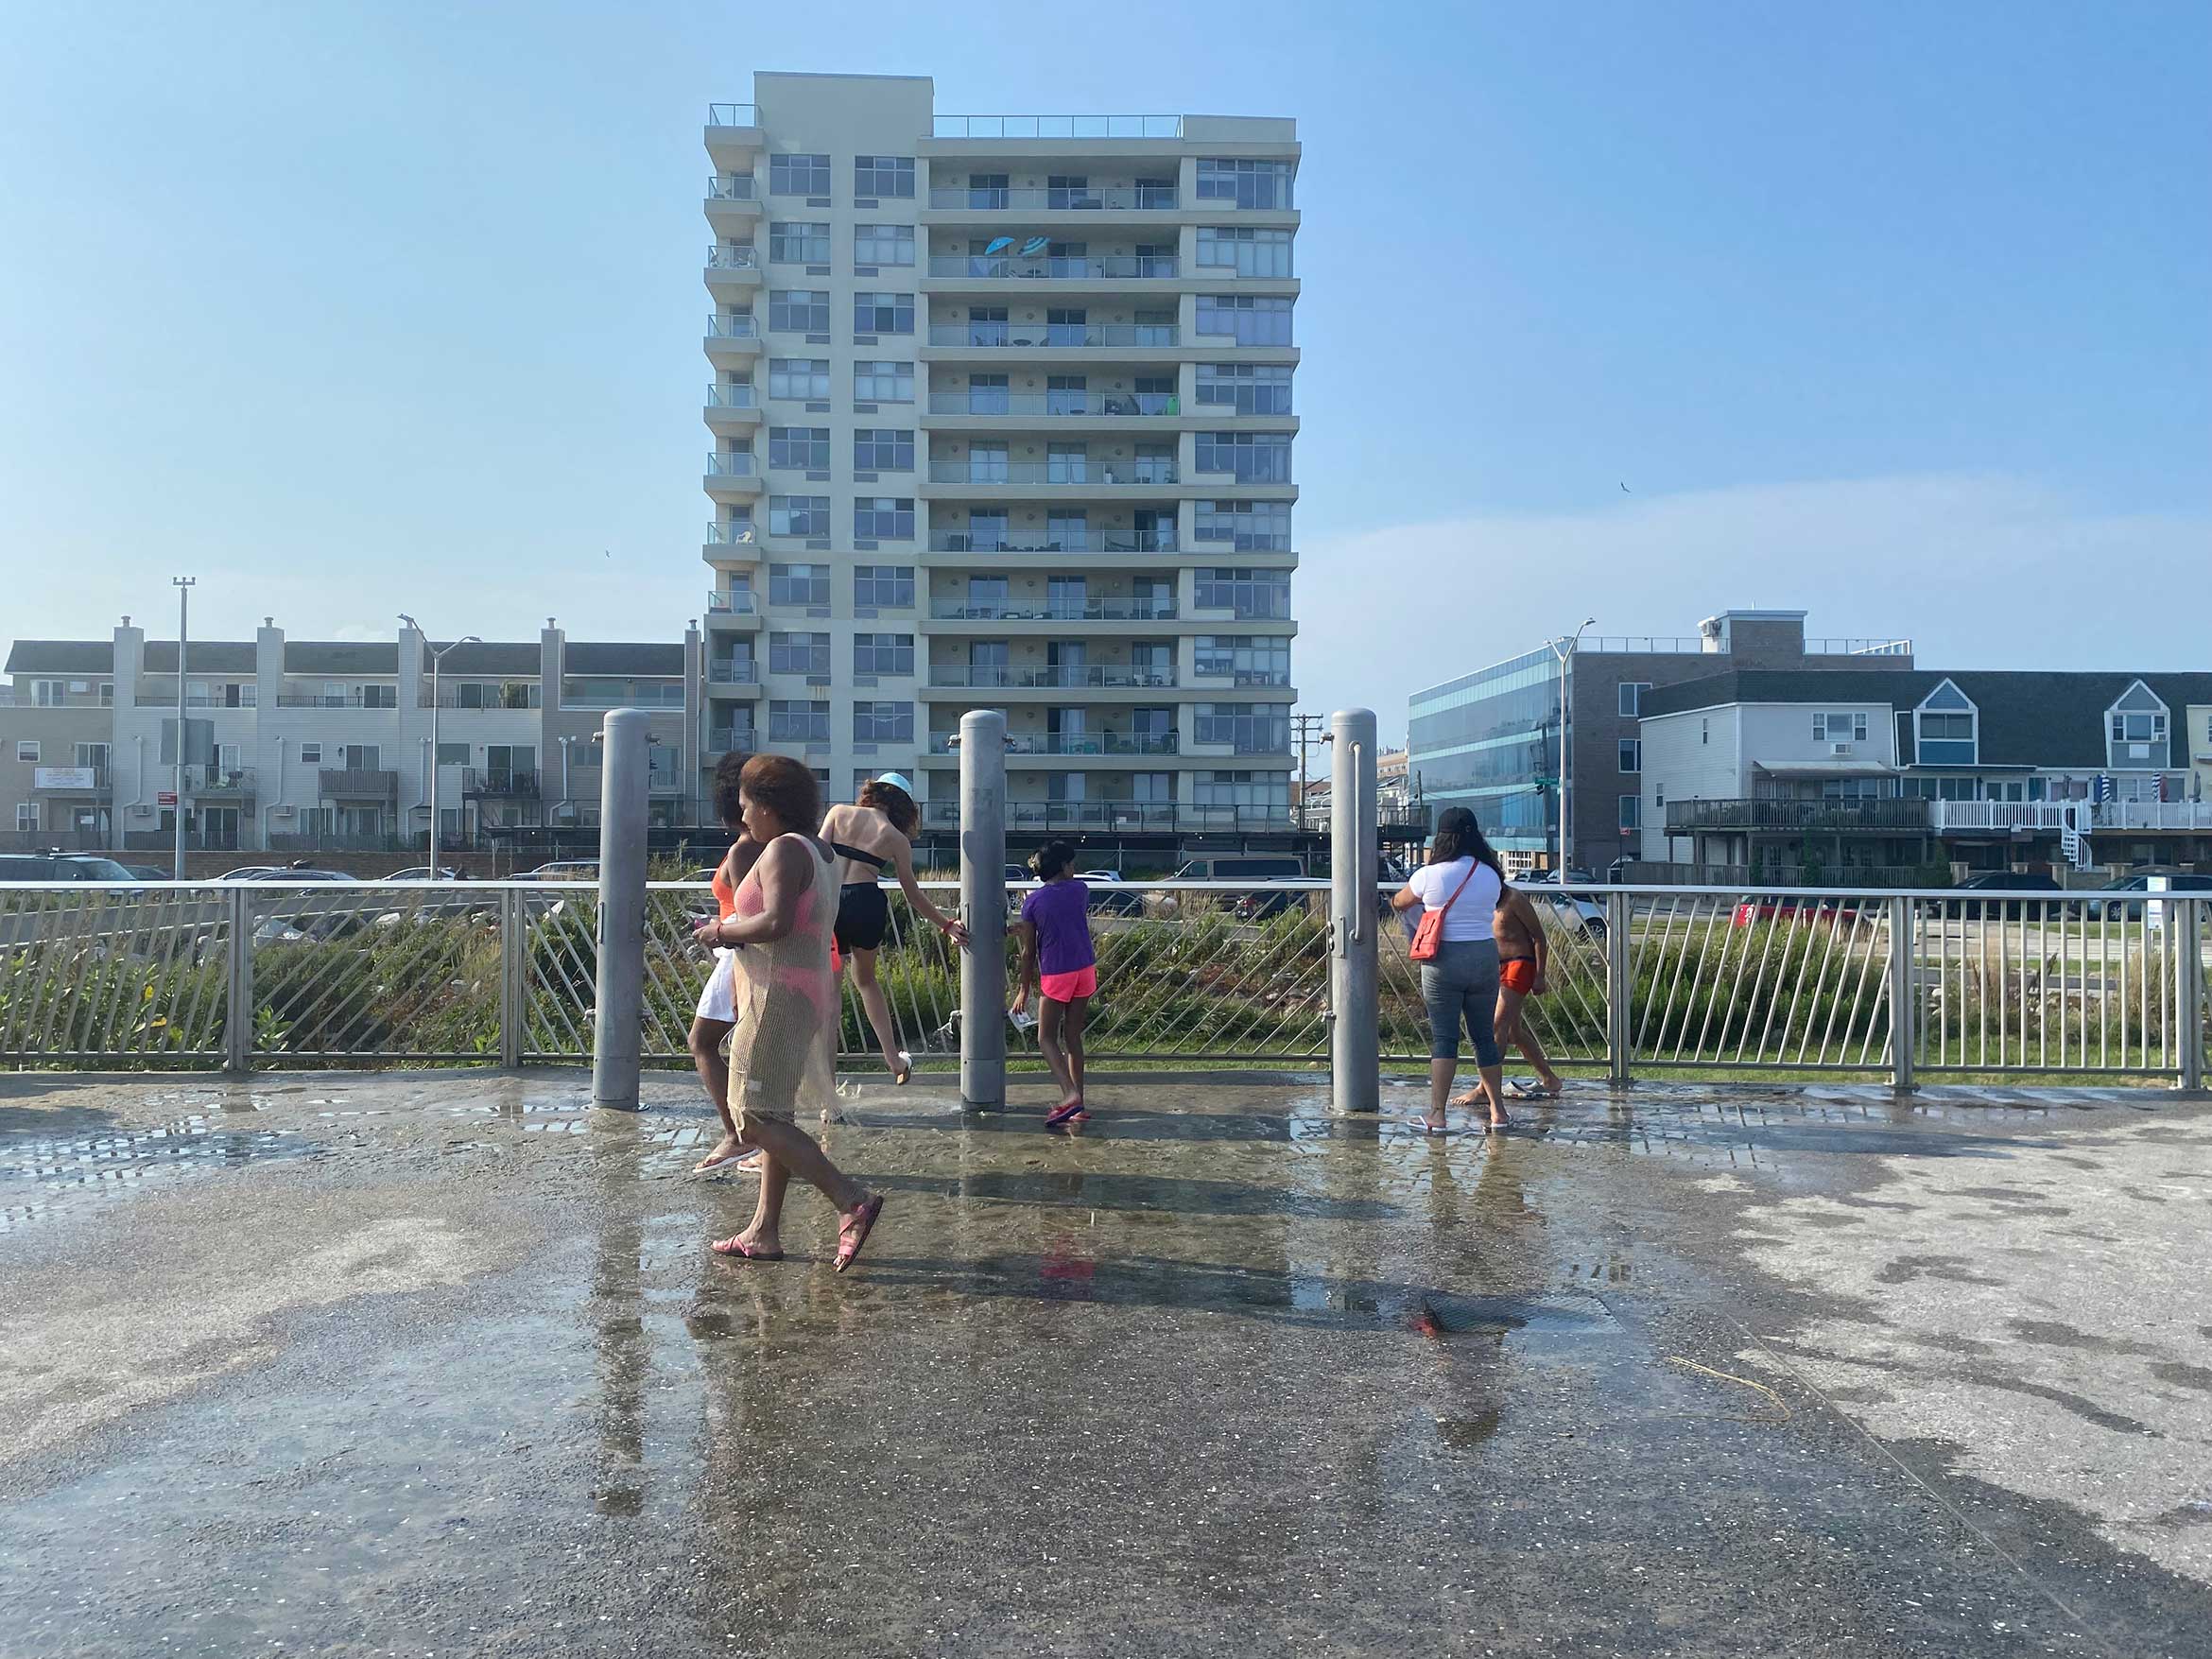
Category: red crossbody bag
[1428,933]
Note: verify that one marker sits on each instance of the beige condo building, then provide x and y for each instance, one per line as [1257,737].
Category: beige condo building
[1001,416]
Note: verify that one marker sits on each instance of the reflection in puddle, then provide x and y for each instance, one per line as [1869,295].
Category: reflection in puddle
[61,1170]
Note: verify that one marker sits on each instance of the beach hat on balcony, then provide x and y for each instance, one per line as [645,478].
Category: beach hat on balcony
[896,780]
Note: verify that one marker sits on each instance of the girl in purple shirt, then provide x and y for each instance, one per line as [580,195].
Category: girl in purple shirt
[1056,957]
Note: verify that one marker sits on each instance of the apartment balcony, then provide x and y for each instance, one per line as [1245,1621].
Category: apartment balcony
[1101,548]
[731,410]
[732,270]
[384,698]
[733,475]
[220,783]
[990,276]
[732,612]
[733,681]
[944,749]
[1102,682]
[1907,815]
[2027,818]
[738,739]
[1095,207]
[352,782]
[1047,610]
[989,409]
[996,344]
[732,343]
[1104,480]
[502,782]
[732,203]
[733,137]
[731,543]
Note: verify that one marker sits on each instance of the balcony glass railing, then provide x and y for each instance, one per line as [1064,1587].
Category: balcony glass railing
[731,188]
[634,696]
[732,115]
[524,694]
[1242,676]
[1056,127]
[1125,743]
[731,397]
[381,698]
[730,464]
[1122,476]
[733,673]
[1088,676]
[1055,611]
[1052,198]
[1096,541]
[730,535]
[1051,335]
[722,739]
[1046,267]
[721,604]
[733,256]
[220,780]
[1035,815]
[990,400]
[732,328]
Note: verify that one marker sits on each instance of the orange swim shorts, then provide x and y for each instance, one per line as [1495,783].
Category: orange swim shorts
[1518,975]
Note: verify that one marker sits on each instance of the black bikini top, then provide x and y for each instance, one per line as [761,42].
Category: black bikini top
[858,856]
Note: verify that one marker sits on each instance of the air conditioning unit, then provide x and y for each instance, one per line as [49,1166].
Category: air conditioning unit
[1839,748]
[283,811]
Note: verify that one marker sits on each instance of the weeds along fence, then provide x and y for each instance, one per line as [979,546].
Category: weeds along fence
[1655,982]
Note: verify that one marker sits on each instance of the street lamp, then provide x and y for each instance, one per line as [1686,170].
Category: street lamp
[1566,663]
[436,657]
[184,584]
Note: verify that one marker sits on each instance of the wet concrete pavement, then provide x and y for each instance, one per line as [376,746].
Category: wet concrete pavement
[437,1363]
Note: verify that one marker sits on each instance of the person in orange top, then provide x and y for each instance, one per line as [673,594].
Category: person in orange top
[716,1016]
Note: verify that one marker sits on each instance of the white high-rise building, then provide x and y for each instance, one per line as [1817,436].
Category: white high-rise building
[1001,417]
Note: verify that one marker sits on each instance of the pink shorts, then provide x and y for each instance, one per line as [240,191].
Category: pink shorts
[1067,987]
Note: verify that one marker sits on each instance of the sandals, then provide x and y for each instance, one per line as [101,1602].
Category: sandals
[1066,1112]
[1420,1122]
[1519,1089]
[853,1232]
[746,1159]
[744,1248]
[903,1073]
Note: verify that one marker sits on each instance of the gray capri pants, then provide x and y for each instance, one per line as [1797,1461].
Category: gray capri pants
[1462,984]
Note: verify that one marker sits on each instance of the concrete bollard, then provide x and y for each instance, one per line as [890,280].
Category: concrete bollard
[983,909]
[1354,853]
[617,1019]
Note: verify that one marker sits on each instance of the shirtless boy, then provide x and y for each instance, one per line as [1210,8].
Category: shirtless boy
[1523,954]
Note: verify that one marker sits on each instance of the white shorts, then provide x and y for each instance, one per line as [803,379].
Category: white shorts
[718,1001]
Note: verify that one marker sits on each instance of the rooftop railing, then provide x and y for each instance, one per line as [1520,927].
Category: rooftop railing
[1056,127]
[732,115]
[1846,646]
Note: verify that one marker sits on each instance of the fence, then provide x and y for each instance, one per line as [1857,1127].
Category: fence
[1642,981]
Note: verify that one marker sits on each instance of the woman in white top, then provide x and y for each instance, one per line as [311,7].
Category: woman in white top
[1463,879]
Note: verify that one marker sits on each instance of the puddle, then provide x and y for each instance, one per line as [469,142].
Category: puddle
[40,1176]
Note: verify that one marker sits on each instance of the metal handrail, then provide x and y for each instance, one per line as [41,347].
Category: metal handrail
[1102,541]
[732,187]
[731,397]
[1056,127]
[733,256]
[732,115]
[1053,198]
[984,401]
[1136,476]
[1051,335]
[1071,677]
[1086,611]
[732,328]
[1053,267]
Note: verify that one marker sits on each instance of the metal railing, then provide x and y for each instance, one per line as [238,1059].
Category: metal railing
[732,187]
[988,401]
[735,464]
[1857,646]
[1899,815]
[721,604]
[731,256]
[732,397]
[1072,743]
[220,780]
[358,783]
[733,674]
[1052,335]
[1053,267]
[1054,611]
[1885,985]
[1052,198]
[732,328]
[1063,676]
[1104,542]
[724,739]
[381,697]
[1136,475]
[732,115]
[516,779]
[730,535]
[1056,127]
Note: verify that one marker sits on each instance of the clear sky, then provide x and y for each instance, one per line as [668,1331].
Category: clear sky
[1896,312]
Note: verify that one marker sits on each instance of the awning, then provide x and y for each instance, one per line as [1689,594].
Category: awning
[1825,769]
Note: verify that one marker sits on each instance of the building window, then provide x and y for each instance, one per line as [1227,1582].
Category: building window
[1250,388]
[1837,726]
[96,754]
[791,721]
[883,587]
[883,176]
[797,244]
[883,244]
[1248,791]
[883,382]
[2136,728]
[1631,697]
[882,449]
[799,515]
[310,754]
[799,379]
[882,313]
[26,750]
[800,448]
[883,518]
[798,653]
[1705,729]
[883,722]
[1247,727]
[801,175]
[26,816]
[107,694]
[1946,728]
[1250,458]
[1250,319]
[1631,754]
[1632,813]
[453,754]
[1064,463]
[1247,593]
[883,653]
[804,585]
[1248,251]
[49,694]
[1247,659]
[1247,526]
[1245,183]
[799,310]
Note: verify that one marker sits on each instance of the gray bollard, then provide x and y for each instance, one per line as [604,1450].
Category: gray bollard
[1355,998]
[983,909]
[617,1020]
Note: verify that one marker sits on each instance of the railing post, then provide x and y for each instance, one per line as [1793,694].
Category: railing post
[2187,918]
[618,1014]
[1904,994]
[1619,991]
[238,983]
[1354,994]
[983,909]
[513,961]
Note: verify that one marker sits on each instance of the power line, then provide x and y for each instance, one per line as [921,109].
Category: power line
[1309,733]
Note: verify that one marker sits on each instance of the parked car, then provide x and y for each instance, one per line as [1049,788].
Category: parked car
[60,865]
[1999,881]
[1571,913]
[1255,905]
[565,870]
[148,871]
[1020,872]
[1794,910]
[2138,882]
[1108,897]
[423,873]
[250,873]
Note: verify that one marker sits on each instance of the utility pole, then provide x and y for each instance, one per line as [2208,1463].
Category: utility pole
[184,584]
[436,658]
[1309,732]
[1566,665]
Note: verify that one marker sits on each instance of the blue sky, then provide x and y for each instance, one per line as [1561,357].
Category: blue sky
[1898,313]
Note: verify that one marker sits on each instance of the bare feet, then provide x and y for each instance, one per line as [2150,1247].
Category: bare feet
[727,1151]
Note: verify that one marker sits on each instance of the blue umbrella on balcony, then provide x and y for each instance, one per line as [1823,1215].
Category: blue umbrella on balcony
[1035,245]
[998,245]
